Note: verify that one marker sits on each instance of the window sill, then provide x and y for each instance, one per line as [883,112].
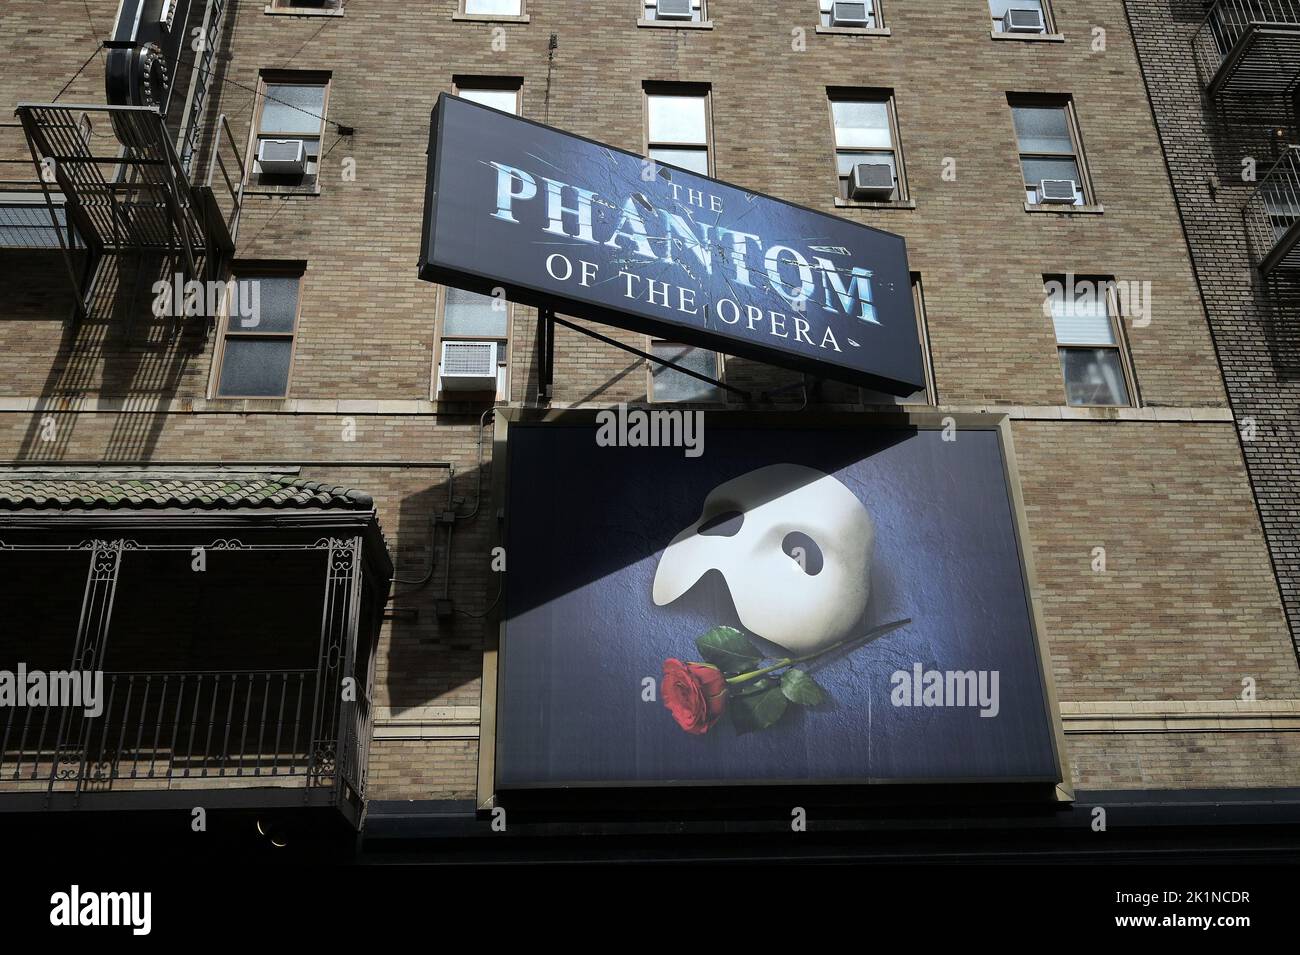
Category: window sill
[854,31]
[490,18]
[890,204]
[677,24]
[1029,37]
[271,11]
[265,405]
[254,189]
[1064,210]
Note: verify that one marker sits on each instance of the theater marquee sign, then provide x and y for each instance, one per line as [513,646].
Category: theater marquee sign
[569,224]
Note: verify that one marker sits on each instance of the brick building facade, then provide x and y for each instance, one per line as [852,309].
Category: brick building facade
[1219,144]
[1148,654]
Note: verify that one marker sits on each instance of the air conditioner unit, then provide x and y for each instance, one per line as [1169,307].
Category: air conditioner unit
[851,14]
[673,9]
[1023,20]
[1057,190]
[282,157]
[468,366]
[871,181]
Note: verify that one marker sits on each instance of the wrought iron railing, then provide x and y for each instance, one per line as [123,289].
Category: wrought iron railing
[1274,207]
[232,728]
[1230,20]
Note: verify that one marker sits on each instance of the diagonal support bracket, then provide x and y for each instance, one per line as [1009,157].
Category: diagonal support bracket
[553,321]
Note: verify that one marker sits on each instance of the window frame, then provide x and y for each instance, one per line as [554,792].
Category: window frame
[462,13]
[851,94]
[879,27]
[719,365]
[256,269]
[296,8]
[683,89]
[653,21]
[1063,101]
[253,180]
[1049,25]
[1119,345]
[929,390]
[459,84]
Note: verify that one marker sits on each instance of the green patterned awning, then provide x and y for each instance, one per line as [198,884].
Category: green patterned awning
[272,492]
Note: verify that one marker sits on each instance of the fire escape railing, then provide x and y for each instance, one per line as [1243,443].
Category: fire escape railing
[1249,44]
[137,197]
[1272,215]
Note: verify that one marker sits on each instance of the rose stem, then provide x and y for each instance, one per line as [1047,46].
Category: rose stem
[791,661]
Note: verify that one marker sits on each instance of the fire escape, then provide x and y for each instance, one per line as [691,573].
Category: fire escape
[139,175]
[1247,54]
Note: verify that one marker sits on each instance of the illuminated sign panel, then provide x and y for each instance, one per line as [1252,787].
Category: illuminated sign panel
[824,600]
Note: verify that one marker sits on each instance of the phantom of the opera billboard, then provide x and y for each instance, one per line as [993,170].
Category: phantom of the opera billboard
[563,223]
[765,602]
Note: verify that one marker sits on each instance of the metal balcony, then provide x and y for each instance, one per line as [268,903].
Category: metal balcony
[1249,46]
[245,684]
[1272,216]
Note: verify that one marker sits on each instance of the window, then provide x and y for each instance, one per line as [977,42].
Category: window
[306,6]
[1024,19]
[1093,361]
[255,350]
[863,14]
[677,127]
[865,134]
[493,8]
[677,134]
[674,11]
[291,110]
[926,394]
[669,384]
[1049,149]
[470,316]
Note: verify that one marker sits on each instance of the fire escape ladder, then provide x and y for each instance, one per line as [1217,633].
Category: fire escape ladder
[201,83]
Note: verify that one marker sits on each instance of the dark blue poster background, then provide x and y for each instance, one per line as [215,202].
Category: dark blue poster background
[586,526]
[564,222]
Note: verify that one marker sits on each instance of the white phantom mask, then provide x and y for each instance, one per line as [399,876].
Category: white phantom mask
[798,596]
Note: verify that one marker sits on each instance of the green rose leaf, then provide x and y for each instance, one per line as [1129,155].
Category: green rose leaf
[799,687]
[758,711]
[728,649]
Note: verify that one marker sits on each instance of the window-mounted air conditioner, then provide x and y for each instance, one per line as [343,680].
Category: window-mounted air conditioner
[673,9]
[468,366]
[1023,20]
[282,157]
[851,14]
[871,181]
[1057,190]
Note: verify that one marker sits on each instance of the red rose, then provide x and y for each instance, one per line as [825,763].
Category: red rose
[695,693]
